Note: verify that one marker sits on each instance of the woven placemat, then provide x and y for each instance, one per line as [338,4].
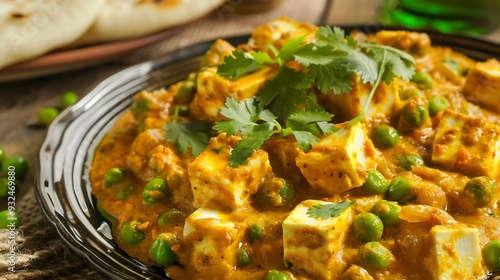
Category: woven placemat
[40,254]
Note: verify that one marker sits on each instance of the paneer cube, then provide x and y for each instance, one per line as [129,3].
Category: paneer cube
[482,85]
[282,153]
[213,90]
[216,53]
[467,144]
[213,179]
[408,41]
[279,32]
[455,253]
[211,239]
[316,245]
[385,100]
[339,161]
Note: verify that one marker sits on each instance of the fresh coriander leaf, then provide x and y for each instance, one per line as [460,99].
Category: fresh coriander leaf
[187,135]
[334,77]
[327,127]
[305,123]
[288,102]
[352,42]
[238,65]
[356,61]
[317,55]
[327,211]
[333,36]
[286,92]
[398,63]
[313,121]
[304,139]
[251,143]
[243,116]
[290,48]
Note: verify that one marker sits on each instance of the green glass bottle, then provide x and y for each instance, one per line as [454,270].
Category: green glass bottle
[447,16]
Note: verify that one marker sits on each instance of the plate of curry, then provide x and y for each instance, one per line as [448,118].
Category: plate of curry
[297,152]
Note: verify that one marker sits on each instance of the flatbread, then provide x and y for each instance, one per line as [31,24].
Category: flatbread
[121,19]
[29,28]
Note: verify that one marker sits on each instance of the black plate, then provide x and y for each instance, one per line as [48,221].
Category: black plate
[62,185]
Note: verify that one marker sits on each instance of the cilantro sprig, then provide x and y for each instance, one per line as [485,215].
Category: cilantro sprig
[258,125]
[327,211]
[187,135]
[287,104]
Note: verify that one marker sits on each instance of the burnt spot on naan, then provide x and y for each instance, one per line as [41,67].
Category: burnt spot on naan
[18,15]
[160,3]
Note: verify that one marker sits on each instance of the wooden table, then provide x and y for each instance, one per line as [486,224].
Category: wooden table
[40,253]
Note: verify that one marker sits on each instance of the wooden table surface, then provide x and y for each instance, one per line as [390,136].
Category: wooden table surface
[21,100]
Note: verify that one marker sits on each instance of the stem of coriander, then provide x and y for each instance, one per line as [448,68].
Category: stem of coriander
[274,50]
[361,116]
[279,129]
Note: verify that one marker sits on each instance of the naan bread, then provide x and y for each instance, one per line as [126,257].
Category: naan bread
[29,28]
[121,19]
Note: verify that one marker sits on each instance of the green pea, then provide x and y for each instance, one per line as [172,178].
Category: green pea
[68,99]
[186,91]
[387,211]
[243,258]
[286,193]
[47,115]
[16,165]
[125,191]
[3,155]
[9,219]
[8,187]
[276,275]
[155,190]
[409,93]
[139,107]
[437,104]
[256,232]
[367,227]
[385,136]
[130,234]
[375,182]
[479,190]
[278,192]
[407,161]
[113,176]
[399,189]
[491,255]
[422,79]
[375,255]
[170,216]
[453,64]
[415,111]
[161,249]
[181,110]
